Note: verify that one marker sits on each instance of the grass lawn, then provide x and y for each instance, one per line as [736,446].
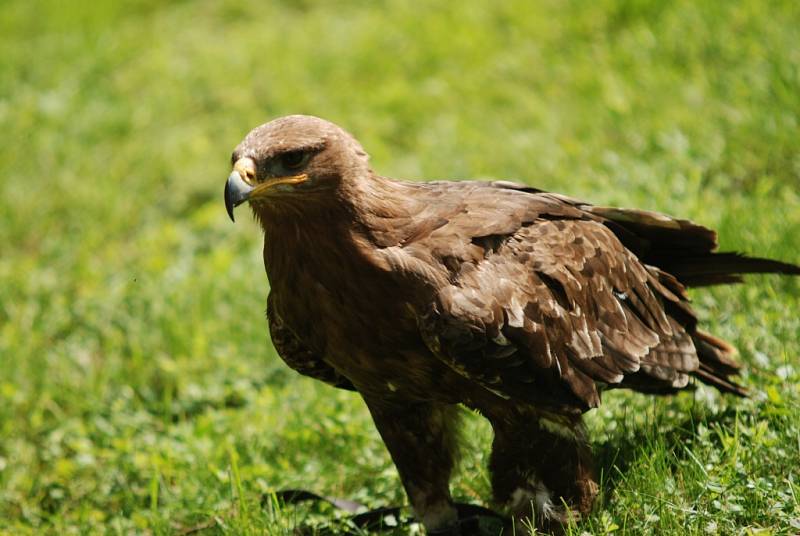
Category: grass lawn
[139,392]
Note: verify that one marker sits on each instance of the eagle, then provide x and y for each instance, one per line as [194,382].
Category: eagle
[520,304]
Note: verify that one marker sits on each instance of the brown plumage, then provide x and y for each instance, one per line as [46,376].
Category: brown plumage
[520,304]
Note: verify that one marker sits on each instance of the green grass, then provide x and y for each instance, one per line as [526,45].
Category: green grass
[138,389]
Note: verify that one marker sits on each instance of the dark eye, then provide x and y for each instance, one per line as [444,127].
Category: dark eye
[294,160]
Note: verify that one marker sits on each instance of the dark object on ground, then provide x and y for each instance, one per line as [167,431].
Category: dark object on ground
[521,304]
[472,519]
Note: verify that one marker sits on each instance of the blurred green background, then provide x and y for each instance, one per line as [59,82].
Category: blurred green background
[139,392]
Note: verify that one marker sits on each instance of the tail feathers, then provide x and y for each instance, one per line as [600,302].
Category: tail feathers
[681,247]
[723,268]
[716,363]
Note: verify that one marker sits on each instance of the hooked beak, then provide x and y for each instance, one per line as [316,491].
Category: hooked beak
[241,184]
[236,192]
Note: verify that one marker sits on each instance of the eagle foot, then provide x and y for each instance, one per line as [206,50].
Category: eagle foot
[534,505]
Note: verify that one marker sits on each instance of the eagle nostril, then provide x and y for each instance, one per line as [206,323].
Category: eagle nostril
[246,168]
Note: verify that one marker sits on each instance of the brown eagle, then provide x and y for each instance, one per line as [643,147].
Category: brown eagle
[520,304]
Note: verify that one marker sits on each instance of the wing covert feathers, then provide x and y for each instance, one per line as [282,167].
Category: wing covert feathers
[680,247]
[547,299]
[298,356]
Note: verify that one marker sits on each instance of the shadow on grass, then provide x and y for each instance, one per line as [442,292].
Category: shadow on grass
[629,448]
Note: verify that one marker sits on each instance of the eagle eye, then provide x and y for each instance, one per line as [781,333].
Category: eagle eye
[294,160]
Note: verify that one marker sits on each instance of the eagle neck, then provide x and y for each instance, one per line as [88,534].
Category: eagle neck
[377,206]
[331,241]
[304,241]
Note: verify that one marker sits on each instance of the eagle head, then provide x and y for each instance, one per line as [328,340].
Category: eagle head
[292,158]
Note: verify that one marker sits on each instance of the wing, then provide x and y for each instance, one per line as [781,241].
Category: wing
[295,354]
[680,247]
[536,299]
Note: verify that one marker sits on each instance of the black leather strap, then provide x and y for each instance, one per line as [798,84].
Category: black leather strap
[472,518]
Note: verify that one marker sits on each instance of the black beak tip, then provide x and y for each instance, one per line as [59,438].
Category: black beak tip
[229,202]
[237,192]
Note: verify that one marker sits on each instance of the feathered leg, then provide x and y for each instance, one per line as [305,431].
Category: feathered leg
[422,441]
[542,471]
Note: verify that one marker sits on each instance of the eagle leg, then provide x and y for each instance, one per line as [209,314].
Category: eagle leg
[542,471]
[422,440]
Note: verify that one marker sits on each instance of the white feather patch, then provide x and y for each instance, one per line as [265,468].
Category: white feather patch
[537,496]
